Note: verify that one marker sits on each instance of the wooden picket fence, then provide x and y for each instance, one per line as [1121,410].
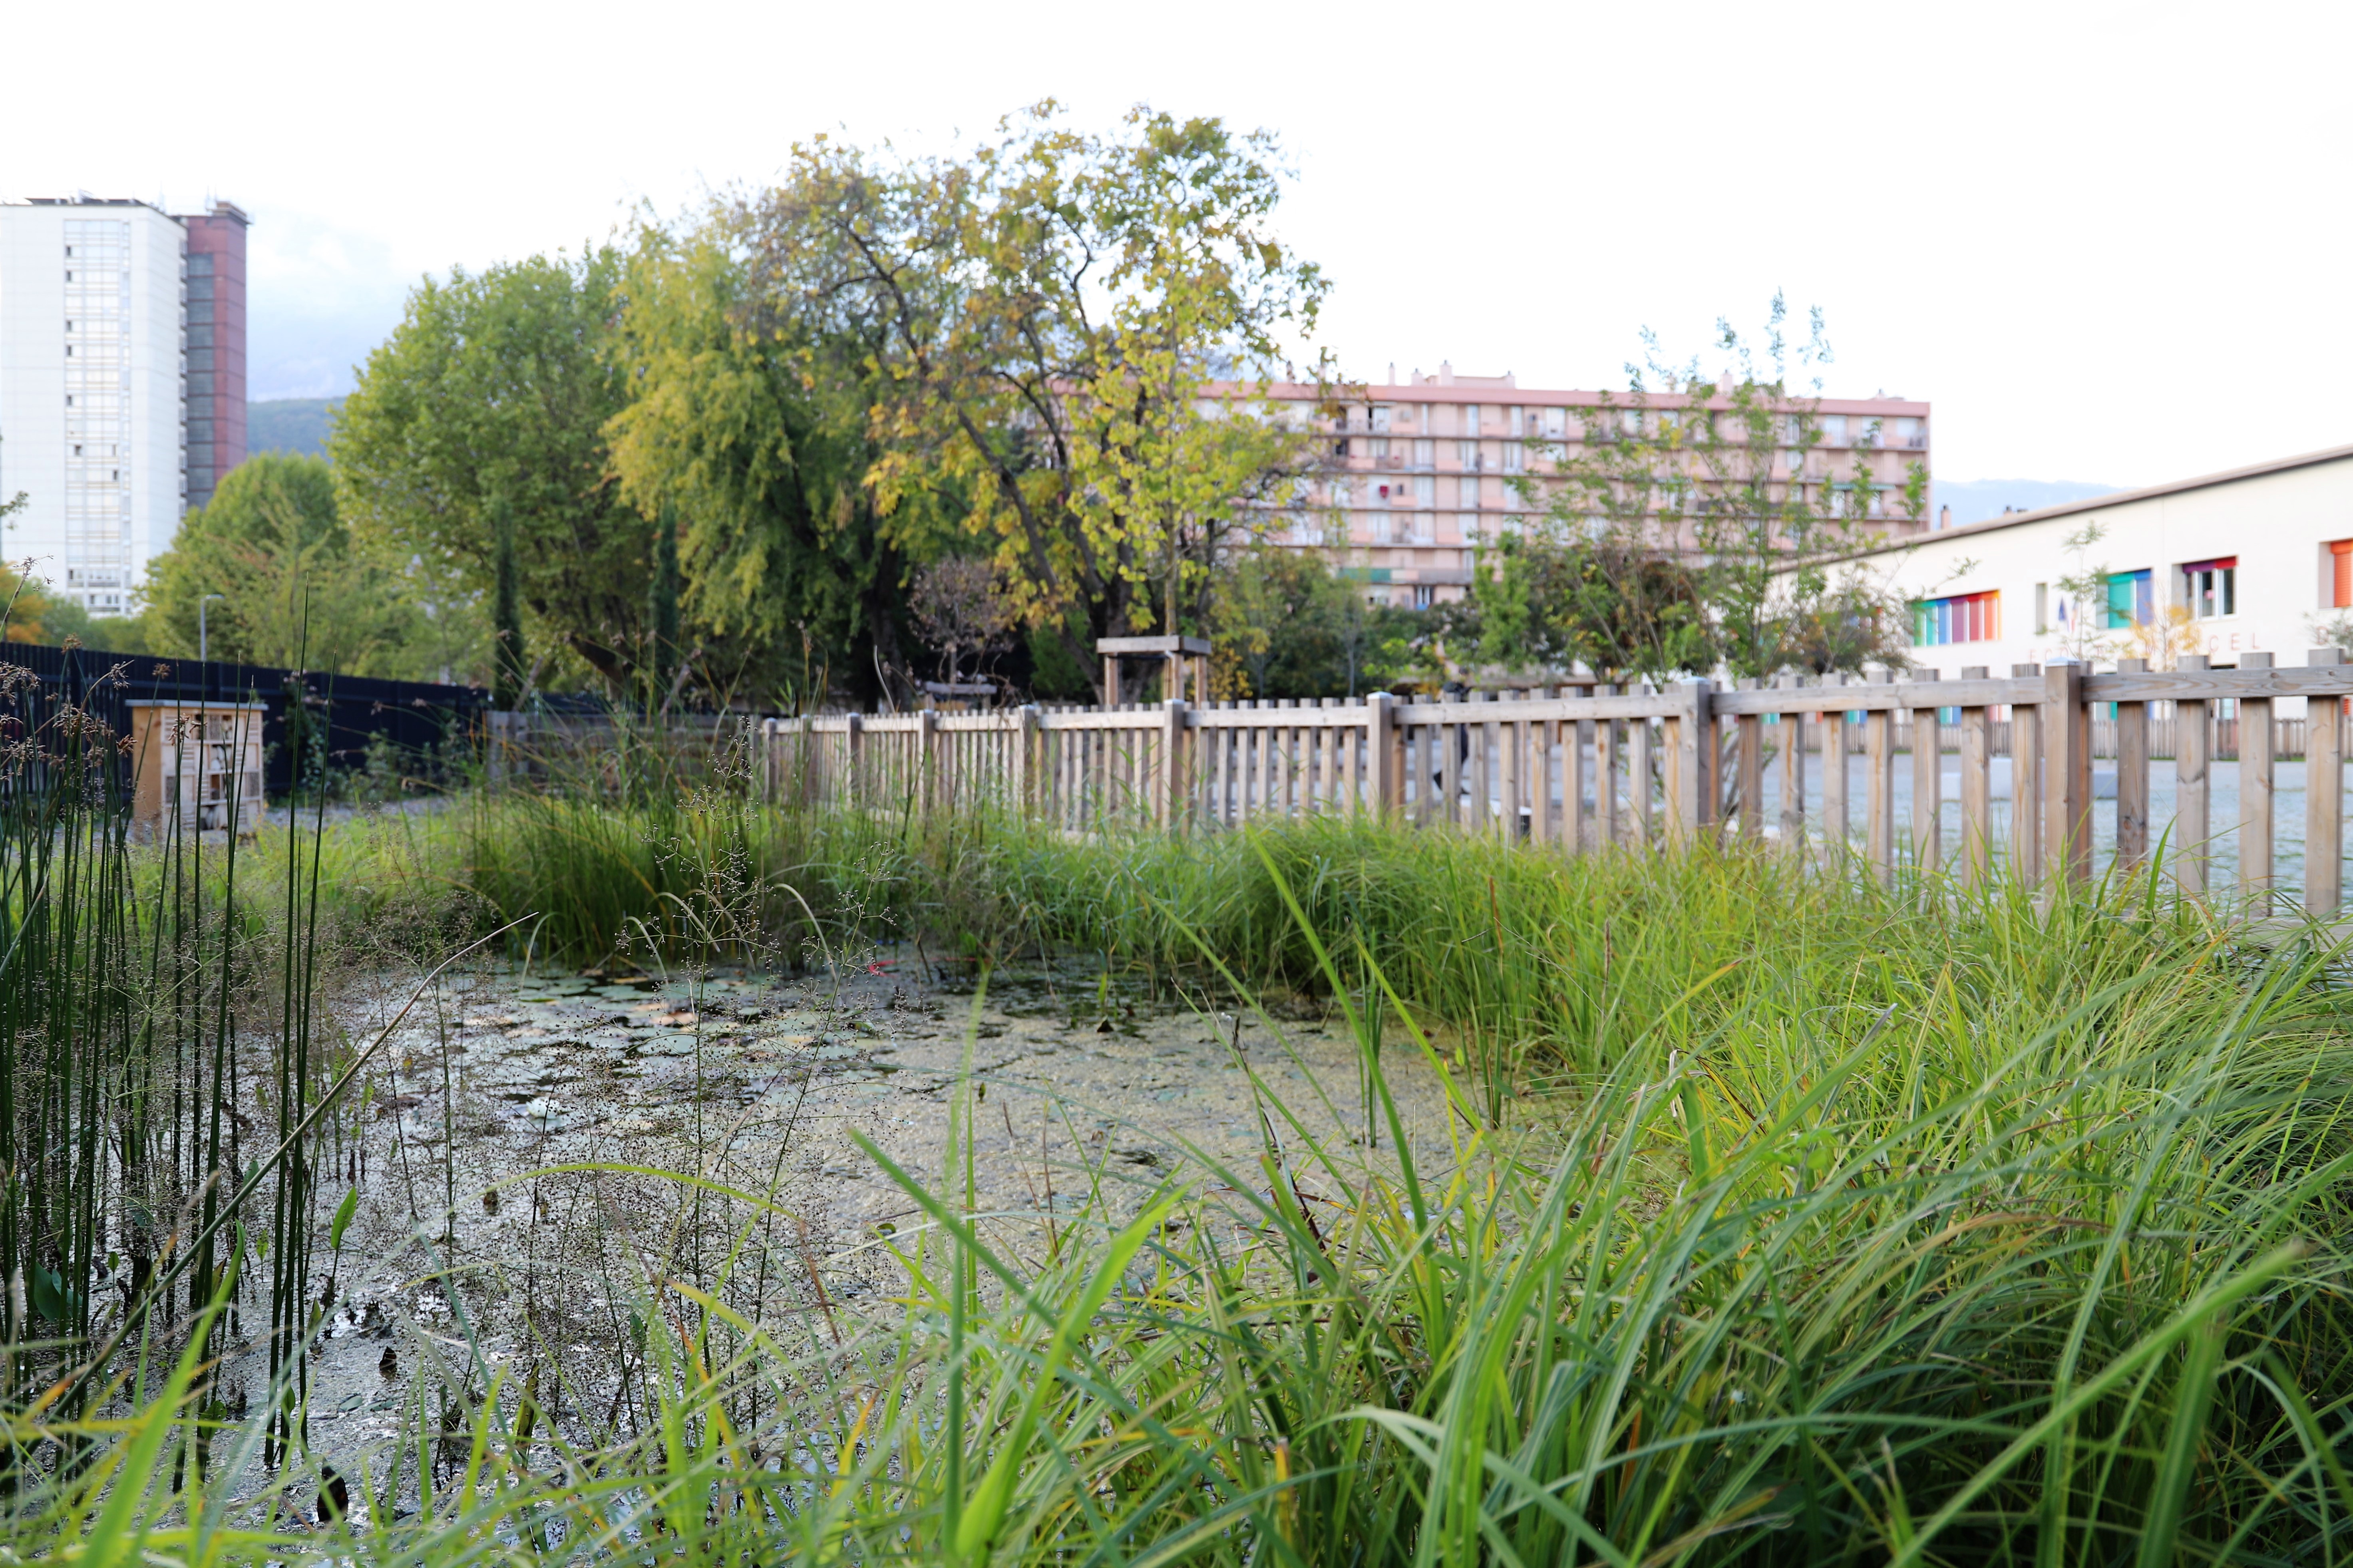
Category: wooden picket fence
[1643,766]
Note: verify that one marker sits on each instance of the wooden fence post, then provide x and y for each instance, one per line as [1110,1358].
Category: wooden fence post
[1639,748]
[1449,771]
[1834,728]
[2324,792]
[1540,735]
[1028,759]
[2255,779]
[927,758]
[2026,780]
[1508,736]
[1977,786]
[1481,769]
[1693,790]
[1325,794]
[1607,829]
[1749,731]
[2192,804]
[2132,775]
[1380,736]
[1879,789]
[853,742]
[1175,809]
[1402,767]
[1792,732]
[2066,774]
[1573,736]
[1927,783]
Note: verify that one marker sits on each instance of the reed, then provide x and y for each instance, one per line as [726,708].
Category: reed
[138,1126]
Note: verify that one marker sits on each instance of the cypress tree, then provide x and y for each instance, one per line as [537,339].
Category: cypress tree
[506,614]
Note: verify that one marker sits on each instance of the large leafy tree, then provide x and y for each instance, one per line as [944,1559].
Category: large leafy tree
[1290,623]
[294,588]
[492,396]
[753,426]
[1607,600]
[1043,321]
[1694,527]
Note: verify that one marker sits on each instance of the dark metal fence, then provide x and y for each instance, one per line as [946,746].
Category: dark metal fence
[424,728]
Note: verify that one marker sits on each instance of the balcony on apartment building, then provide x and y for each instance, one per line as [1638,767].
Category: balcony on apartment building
[1363,459]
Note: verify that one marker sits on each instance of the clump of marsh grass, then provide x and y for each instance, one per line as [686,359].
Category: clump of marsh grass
[1541,970]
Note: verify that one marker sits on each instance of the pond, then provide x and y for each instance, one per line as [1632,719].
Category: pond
[1086,1085]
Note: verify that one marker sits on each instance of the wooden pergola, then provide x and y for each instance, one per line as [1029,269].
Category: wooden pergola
[1176,652]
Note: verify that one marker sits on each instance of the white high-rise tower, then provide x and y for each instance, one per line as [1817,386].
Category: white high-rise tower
[93,393]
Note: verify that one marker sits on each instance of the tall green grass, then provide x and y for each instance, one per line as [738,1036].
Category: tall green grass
[1789,1220]
[1530,963]
[1863,1261]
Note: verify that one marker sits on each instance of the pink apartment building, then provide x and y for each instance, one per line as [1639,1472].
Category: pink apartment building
[1418,471]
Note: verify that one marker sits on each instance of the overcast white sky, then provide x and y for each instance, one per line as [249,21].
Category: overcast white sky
[2107,241]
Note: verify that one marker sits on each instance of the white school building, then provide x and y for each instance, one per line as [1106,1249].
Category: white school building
[2221,566]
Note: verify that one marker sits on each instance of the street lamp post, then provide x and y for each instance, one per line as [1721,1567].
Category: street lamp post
[202,645]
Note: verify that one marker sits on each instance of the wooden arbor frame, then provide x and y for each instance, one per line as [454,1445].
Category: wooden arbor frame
[1178,653]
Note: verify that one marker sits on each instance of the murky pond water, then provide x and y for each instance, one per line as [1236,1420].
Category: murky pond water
[1085,1085]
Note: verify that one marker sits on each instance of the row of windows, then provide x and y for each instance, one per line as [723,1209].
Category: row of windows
[1424,492]
[1544,423]
[1959,617]
[1397,528]
[1465,493]
[2210,589]
[1468,454]
[1556,425]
